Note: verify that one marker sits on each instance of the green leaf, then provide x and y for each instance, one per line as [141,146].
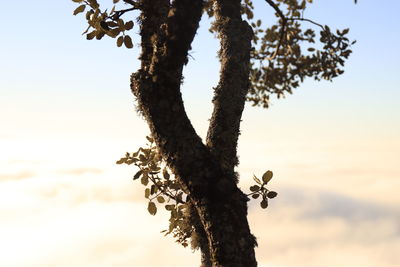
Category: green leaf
[255,196]
[93,3]
[147,193]
[104,25]
[114,33]
[160,199]
[152,208]
[264,204]
[272,194]
[144,180]
[79,9]
[256,179]
[129,25]
[254,188]
[100,35]
[120,161]
[166,174]
[170,207]
[137,175]
[91,35]
[128,41]
[267,176]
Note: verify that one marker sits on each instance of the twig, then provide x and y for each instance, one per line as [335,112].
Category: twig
[283,29]
[284,23]
[308,20]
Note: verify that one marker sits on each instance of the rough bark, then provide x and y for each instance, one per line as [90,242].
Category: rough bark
[229,96]
[206,176]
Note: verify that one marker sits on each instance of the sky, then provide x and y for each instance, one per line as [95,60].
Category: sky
[67,115]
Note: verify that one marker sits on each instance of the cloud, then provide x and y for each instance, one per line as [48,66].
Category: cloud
[16,176]
[101,221]
[320,204]
[81,171]
[317,228]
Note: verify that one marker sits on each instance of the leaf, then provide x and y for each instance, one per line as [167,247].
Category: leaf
[255,196]
[128,41]
[166,174]
[272,194]
[137,175]
[91,35]
[100,35]
[170,207]
[144,180]
[152,208]
[254,188]
[264,204]
[129,25]
[79,9]
[160,199]
[93,4]
[120,161]
[114,33]
[104,25]
[267,176]
[147,193]
[256,179]
[77,1]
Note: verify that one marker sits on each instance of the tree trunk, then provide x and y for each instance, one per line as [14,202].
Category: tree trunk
[206,172]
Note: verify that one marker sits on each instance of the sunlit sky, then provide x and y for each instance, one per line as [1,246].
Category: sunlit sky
[67,114]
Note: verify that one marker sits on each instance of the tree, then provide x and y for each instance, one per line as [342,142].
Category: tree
[197,181]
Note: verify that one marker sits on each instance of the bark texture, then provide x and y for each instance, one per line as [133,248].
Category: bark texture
[206,171]
[229,96]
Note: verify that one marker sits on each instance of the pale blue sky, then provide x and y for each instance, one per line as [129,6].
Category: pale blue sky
[44,57]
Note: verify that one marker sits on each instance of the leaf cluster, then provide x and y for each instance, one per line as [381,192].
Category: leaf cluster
[260,190]
[102,23]
[161,188]
[286,53]
[283,55]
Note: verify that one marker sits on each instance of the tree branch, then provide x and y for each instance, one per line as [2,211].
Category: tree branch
[119,13]
[308,20]
[157,89]
[229,96]
[283,28]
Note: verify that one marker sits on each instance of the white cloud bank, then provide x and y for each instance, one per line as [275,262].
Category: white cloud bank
[96,221]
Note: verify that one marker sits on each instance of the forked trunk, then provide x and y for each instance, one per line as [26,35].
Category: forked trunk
[205,171]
